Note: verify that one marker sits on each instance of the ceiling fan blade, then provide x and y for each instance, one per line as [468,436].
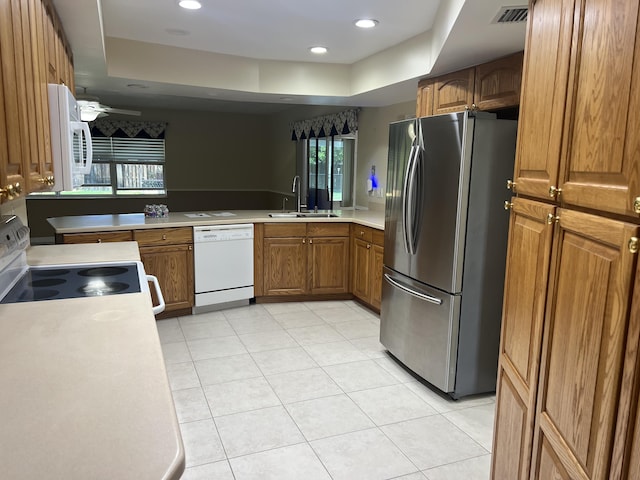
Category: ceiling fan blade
[119,110]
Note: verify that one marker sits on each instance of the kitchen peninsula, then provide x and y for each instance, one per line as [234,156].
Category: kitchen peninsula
[86,393]
[301,258]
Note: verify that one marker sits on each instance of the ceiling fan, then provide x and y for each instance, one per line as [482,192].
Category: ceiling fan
[91,108]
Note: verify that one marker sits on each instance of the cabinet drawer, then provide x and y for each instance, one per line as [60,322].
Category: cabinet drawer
[363,233]
[377,237]
[163,236]
[328,229]
[97,237]
[283,230]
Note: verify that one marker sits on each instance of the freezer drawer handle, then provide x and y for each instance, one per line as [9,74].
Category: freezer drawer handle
[422,296]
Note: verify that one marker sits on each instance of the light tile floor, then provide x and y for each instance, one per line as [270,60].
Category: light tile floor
[294,391]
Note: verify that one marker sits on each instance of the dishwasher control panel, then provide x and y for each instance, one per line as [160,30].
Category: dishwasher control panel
[221,233]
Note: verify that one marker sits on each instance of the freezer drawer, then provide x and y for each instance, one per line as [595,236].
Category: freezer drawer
[419,326]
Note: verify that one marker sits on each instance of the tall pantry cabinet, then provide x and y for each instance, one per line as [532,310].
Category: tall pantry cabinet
[569,372]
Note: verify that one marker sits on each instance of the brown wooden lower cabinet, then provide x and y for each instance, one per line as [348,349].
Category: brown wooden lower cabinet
[305,259]
[366,264]
[581,396]
[173,266]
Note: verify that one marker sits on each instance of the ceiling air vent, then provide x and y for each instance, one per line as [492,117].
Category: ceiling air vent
[511,15]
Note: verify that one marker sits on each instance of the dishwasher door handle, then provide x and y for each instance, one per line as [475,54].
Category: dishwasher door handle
[160,307]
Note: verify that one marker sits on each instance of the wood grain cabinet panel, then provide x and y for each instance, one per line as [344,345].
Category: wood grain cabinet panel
[361,269]
[497,83]
[173,266]
[602,160]
[285,266]
[328,258]
[424,103]
[584,343]
[367,252]
[377,265]
[12,65]
[544,90]
[98,237]
[632,406]
[453,92]
[528,257]
[163,236]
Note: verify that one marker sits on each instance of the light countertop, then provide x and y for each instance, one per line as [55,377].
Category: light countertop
[126,221]
[85,391]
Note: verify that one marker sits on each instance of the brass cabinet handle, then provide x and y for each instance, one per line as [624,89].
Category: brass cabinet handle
[48,180]
[190,247]
[17,187]
[511,185]
[368,246]
[551,218]
[634,244]
[8,192]
[99,240]
[636,205]
[554,192]
[310,240]
[508,205]
[304,240]
[164,237]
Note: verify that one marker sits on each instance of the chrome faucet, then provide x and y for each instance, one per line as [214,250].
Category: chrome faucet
[293,189]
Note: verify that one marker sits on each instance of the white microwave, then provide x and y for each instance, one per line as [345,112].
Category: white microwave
[70,140]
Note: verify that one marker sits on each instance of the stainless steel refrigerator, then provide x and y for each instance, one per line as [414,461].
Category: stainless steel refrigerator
[445,247]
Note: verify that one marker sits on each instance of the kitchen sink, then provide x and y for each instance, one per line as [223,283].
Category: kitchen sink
[317,215]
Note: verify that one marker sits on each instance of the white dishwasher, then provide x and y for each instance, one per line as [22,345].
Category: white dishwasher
[223,265]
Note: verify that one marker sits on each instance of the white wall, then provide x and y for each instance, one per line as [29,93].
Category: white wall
[373,148]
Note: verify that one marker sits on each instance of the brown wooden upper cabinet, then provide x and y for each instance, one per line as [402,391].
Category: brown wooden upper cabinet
[489,86]
[31,42]
[578,143]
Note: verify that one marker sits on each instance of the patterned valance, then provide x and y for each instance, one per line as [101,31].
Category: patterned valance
[340,123]
[104,127]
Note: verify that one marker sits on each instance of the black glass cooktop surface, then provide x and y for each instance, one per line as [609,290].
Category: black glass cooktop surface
[71,282]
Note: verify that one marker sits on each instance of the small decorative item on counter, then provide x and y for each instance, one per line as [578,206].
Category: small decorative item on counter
[156,211]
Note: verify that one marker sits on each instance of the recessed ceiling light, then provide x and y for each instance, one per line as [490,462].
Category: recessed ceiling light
[190,4]
[318,50]
[366,23]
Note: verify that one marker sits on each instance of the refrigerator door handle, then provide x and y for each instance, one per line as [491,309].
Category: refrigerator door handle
[410,291]
[413,199]
[406,227]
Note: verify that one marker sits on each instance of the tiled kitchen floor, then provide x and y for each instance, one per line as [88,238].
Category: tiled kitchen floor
[306,391]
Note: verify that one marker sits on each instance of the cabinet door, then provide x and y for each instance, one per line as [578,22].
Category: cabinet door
[584,340]
[497,84]
[634,406]
[545,71]
[173,266]
[528,256]
[43,169]
[285,266]
[602,164]
[453,92]
[329,265]
[377,264]
[361,276]
[12,171]
[424,104]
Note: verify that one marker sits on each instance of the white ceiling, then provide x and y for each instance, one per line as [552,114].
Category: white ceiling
[252,55]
